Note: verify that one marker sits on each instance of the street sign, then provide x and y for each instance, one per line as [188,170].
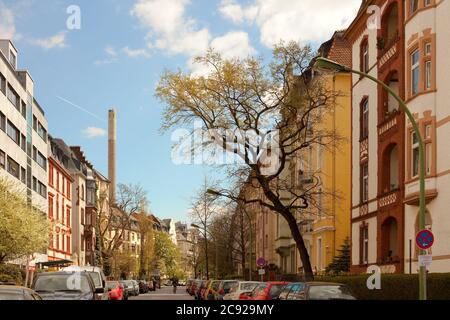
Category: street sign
[425,239]
[32,268]
[262,272]
[425,260]
[261,262]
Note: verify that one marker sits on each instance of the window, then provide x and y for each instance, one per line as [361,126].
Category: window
[34,184]
[13,133]
[68,217]
[50,175]
[68,190]
[82,216]
[34,153]
[365,119]
[50,207]
[12,59]
[319,153]
[319,254]
[428,49]
[13,97]
[365,56]
[427,3]
[82,192]
[414,4]
[35,123]
[42,132]
[2,84]
[23,143]
[13,168]
[57,181]
[68,244]
[2,159]
[42,190]
[428,74]
[415,155]
[41,160]
[365,182]
[24,110]
[2,121]
[23,175]
[415,72]
[57,207]
[364,244]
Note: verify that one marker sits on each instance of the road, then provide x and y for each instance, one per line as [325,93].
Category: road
[165,293]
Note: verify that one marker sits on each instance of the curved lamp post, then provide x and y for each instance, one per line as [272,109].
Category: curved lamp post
[332,65]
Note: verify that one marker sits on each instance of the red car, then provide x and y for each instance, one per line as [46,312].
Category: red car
[264,291]
[115,290]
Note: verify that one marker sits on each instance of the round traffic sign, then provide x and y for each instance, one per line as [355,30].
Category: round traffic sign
[425,239]
[261,262]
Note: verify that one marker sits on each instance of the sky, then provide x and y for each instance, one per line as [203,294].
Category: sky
[87,57]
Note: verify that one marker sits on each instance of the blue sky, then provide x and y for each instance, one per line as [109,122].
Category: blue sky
[117,56]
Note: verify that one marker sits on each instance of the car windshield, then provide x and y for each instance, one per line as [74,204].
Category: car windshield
[65,282]
[229,285]
[329,293]
[5,295]
[275,290]
[248,286]
[96,278]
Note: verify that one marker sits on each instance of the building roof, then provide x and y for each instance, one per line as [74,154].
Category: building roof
[337,49]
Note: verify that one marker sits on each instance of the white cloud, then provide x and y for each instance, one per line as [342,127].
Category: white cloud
[104,61]
[136,53]
[56,41]
[7,23]
[304,21]
[233,44]
[233,11]
[93,132]
[169,28]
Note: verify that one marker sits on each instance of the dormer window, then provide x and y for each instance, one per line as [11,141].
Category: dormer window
[12,59]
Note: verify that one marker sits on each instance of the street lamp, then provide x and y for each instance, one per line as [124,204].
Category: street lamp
[332,65]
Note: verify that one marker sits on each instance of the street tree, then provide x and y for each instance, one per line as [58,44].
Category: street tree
[115,218]
[264,115]
[147,253]
[24,230]
[166,254]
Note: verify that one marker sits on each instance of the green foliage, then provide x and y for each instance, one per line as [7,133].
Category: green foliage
[23,229]
[341,263]
[395,286]
[11,273]
[167,253]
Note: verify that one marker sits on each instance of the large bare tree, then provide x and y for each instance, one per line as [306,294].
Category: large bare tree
[115,218]
[262,114]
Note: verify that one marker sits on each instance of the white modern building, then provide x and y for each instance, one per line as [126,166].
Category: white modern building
[23,133]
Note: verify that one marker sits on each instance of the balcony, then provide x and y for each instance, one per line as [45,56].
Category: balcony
[389,123]
[388,48]
[389,199]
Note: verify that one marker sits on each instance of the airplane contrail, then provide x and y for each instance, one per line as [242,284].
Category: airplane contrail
[81,108]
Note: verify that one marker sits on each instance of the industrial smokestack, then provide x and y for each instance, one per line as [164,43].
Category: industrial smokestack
[112,154]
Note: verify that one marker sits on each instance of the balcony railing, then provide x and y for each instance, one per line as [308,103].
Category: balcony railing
[387,49]
[389,198]
[389,122]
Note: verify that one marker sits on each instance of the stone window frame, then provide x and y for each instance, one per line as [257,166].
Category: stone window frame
[421,43]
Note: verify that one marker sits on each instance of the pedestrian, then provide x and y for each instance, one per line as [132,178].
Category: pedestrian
[174,284]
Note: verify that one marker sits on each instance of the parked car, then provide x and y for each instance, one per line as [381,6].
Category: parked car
[143,286]
[225,288]
[115,290]
[136,287]
[241,287]
[182,283]
[97,276]
[189,283]
[66,285]
[265,291]
[13,292]
[156,281]
[212,290]
[131,288]
[127,288]
[322,291]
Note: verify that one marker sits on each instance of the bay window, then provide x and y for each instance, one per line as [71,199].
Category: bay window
[415,73]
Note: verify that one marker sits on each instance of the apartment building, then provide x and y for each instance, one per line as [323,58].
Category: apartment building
[60,185]
[427,93]
[403,51]
[23,131]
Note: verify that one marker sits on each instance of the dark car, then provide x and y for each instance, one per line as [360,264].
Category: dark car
[13,292]
[316,291]
[66,286]
[126,292]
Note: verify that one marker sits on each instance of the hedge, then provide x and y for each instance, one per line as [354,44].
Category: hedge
[11,273]
[395,286]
